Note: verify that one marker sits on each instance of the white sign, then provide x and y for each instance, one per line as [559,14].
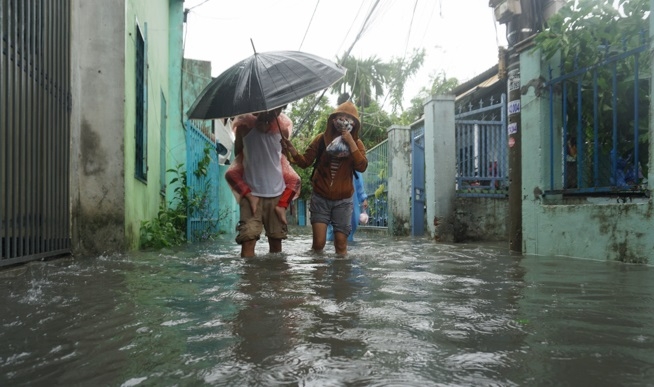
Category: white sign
[513,128]
[514,80]
[514,107]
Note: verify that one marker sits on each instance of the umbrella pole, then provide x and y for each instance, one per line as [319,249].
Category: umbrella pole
[288,155]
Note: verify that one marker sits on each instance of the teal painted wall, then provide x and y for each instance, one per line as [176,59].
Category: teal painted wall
[595,228]
[196,76]
[176,140]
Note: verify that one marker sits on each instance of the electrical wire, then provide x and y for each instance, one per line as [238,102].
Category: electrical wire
[408,35]
[197,5]
[347,53]
[308,26]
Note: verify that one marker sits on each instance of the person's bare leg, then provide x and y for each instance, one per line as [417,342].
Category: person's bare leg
[319,236]
[254,201]
[247,248]
[281,214]
[275,245]
[340,243]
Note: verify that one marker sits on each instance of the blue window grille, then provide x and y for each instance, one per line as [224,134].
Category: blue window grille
[202,223]
[599,125]
[141,165]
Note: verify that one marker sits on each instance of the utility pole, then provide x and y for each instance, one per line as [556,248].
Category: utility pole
[522,21]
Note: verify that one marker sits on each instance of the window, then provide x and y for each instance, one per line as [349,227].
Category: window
[141,169]
[162,148]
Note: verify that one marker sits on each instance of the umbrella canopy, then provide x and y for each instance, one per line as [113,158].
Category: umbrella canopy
[265,81]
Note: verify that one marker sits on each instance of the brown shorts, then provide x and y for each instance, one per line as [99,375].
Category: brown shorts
[250,226]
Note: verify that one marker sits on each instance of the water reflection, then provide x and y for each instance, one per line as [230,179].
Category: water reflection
[394,312]
[337,283]
[265,323]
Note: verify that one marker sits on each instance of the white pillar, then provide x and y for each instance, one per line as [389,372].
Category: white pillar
[399,180]
[440,163]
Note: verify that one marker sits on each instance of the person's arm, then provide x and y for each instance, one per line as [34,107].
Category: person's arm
[238,140]
[302,160]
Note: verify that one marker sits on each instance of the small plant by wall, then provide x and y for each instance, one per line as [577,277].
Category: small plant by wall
[169,228]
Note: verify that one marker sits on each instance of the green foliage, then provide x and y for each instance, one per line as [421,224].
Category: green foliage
[440,85]
[374,124]
[170,226]
[585,33]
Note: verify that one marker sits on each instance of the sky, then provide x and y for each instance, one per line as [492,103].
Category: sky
[461,37]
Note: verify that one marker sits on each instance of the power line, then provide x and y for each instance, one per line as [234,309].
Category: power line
[197,5]
[347,53]
[308,26]
[408,34]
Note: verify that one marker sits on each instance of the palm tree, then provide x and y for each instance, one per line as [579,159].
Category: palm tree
[365,79]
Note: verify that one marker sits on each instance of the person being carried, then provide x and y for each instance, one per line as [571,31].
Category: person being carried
[276,122]
[337,153]
[262,186]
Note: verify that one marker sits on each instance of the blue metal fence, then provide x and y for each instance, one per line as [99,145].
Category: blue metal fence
[203,223]
[482,158]
[376,185]
[599,125]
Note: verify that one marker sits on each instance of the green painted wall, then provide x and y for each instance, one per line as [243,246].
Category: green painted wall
[142,199]
[595,228]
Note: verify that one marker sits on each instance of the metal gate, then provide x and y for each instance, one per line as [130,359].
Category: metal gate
[34,129]
[202,223]
[482,158]
[418,180]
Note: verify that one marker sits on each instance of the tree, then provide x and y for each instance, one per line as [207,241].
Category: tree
[365,79]
[401,70]
[440,84]
[588,36]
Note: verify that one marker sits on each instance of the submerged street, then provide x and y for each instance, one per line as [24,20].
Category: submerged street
[395,311]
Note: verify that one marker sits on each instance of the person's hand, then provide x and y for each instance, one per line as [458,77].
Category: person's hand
[365,204]
[349,140]
[287,146]
[346,135]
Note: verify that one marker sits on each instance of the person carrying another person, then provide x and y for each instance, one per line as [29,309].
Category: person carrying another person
[257,178]
[336,154]
[278,122]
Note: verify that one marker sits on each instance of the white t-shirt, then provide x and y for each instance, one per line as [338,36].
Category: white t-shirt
[262,153]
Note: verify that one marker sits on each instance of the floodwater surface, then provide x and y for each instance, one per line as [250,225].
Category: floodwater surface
[394,312]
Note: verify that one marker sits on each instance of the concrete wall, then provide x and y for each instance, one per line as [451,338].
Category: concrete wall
[97,126]
[440,161]
[481,219]
[399,180]
[108,202]
[596,228]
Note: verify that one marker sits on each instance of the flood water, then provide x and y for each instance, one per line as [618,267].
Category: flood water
[394,312]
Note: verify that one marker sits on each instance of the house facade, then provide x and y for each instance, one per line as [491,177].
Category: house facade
[125,76]
[566,207]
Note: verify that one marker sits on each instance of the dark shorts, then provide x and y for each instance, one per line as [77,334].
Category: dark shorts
[250,226]
[338,213]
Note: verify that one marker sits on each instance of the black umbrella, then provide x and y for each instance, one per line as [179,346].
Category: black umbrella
[265,81]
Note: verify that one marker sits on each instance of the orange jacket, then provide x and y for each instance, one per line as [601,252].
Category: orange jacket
[341,186]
